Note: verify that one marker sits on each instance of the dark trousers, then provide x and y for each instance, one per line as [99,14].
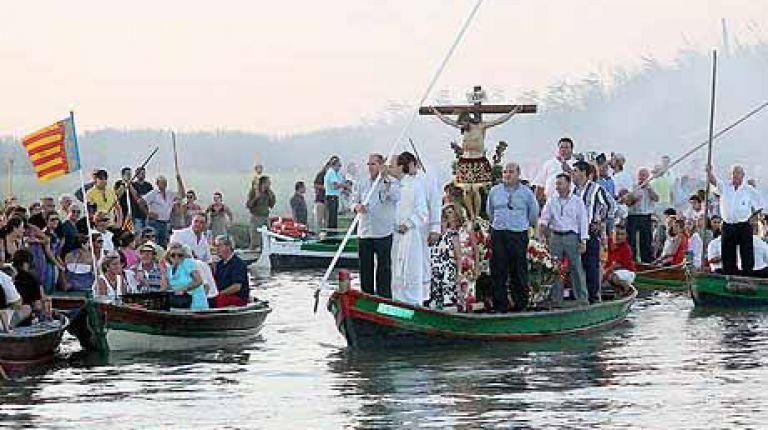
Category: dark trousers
[737,235]
[161,231]
[640,234]
[509,261]
[376,252]
[332,206]
[591,262]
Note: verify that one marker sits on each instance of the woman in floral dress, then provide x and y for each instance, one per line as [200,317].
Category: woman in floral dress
[445,256]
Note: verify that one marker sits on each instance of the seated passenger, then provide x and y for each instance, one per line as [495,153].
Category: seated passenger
[620,266]
[27,284]
[714,257]
[231,276]
[760,269]
[78,264]
[183,277]
[111,283]
[675,246]
[695,244]
[147,272]
[12,311]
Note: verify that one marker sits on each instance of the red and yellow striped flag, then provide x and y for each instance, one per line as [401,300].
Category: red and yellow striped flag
[53,150]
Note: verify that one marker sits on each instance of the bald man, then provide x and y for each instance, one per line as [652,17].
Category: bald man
[738,202]
[513,210]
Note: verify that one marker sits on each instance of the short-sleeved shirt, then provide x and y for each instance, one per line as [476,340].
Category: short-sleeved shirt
[159,205]
[9,291]
[182,276]
[103,199]
[332,176]
[233,271]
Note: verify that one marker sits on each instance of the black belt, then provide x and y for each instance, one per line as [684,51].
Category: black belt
[563,233]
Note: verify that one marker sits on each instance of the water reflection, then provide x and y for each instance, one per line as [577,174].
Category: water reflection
[466,385]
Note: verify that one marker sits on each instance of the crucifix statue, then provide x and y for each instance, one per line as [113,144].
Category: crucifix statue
[473,170]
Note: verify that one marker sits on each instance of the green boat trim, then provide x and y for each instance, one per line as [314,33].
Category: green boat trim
[370,320]
[710,289]
[647,283]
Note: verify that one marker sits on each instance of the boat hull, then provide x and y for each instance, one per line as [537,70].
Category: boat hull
[24,348]
[300,261]
[728,291]
[118,327]
[651,277]
[369,321]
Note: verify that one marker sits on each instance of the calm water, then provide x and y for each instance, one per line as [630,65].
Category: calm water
[669,367]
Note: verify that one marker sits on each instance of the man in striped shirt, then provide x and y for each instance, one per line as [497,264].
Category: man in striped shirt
[601,209]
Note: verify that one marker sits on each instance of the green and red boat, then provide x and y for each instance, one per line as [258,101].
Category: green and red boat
[654,277]
[711,289]
[370,321]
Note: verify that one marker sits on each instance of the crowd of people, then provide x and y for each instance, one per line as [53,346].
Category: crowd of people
[418,243]
[114,240]
[420,246]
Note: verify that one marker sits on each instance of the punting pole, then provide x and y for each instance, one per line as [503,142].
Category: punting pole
[396,142]
[82,189]
[709,147]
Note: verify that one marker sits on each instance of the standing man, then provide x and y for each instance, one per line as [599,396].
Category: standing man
[600,212]
[377,224]
[561,163]
[140,187]
[334,184]
[564,218]
[105,198]
[132,203]
[512,209]
[160,204]
[738,200]
[604,177]
[433,228]
[621,178]
[641,202]
[298,204]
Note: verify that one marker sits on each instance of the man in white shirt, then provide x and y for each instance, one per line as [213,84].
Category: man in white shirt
[714,256]
[160,202]
[561,163]
[194,237]
[621,178]
[377,224]
[738,201]
[433,229]
[565,217]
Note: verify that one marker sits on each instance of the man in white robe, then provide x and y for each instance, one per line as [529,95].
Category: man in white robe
[411,219]
[431,232]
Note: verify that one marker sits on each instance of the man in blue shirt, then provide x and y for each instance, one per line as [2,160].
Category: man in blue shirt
[512,209]
[231,276]
[334,185]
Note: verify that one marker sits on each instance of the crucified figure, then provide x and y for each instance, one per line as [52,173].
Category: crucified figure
[473,171]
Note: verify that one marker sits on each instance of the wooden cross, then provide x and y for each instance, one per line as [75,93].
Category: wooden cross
[477,107]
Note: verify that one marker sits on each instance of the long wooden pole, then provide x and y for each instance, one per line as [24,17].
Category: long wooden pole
[175,153]
[709,148]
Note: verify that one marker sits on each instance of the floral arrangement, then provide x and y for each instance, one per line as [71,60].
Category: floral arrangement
[544,269]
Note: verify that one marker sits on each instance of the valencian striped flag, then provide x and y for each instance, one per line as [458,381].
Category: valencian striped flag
[53,150]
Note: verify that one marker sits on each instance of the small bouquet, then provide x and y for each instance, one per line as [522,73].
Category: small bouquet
[543,267]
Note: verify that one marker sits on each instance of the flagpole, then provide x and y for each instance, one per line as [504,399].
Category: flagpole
[85,199]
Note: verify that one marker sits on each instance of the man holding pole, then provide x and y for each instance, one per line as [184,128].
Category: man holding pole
[738,203]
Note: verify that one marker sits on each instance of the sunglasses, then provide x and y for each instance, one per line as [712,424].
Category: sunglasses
[176,255]
[53,220]
[149,236]
[103,220]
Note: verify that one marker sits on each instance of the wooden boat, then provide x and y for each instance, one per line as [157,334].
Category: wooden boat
[146,322]
[654,277]
[280,252]
[29,346]
[370,321]
[711,289]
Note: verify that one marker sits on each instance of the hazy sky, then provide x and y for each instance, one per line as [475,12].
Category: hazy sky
[290,66]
